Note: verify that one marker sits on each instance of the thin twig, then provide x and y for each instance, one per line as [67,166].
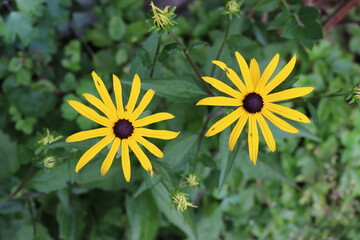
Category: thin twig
[292,13]
[155,57]
[196,70]
[31,216]
[23,182]
[221,47]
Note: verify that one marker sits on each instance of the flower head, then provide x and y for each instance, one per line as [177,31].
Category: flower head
[255,102]
[232,7]
[121,126]
[50,162]
[354,95]
[162,18]
[192,180]
[180,199]
[48,138]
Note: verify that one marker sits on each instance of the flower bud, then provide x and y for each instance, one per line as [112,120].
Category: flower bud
[179,199]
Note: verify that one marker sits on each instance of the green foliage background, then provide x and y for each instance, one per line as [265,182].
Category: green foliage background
[308,189]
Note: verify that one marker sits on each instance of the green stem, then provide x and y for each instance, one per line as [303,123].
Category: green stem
[155,57]
[23,182]
[292,13]
[196,70]
[221,46]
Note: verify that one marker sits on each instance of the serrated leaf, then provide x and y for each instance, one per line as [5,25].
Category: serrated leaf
[33,7]
[19,25]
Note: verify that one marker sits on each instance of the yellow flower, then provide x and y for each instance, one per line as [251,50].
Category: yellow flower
[121,126]
[254,102]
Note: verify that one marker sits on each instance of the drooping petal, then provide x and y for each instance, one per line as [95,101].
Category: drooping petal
[105,166]
[253,139]
[103,92]
[91,152]
[101,106]
[269,138]
[222,87]
[142,105]
[144,160]
[224,122]
[232,75]
[288,94]
[160,134]
[157,117]
[149,146]
[84,135]
[245,71]
[280,77]
[268,72]
[125,159]
[220,101]
[90,114]
[278,122]
[236,132]
[118,96]
[134,95]
[254,72]
[287,112]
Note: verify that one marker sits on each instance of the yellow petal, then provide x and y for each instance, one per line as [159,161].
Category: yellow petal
[118,96]
[254,72]
[142,105]
[222,87]
[235,133]
[280,77]
[160,134]
[278,122]
[253,139]
[220,101]
[149,146]
[287,112]
[245,71]
[90,114]
[232,75]
[269,138]
[101,106]
[103,92]
[83,135]
[157,117]
[110,157]
[91,153]
[268,72]
[134,95]
[144,160]
[224,122]
[125,159]
[288,94]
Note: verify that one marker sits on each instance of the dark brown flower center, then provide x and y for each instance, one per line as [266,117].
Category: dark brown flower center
[253,103]
[123,129]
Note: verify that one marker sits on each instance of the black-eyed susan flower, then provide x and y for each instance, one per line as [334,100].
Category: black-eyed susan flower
[255,102]
[121,126]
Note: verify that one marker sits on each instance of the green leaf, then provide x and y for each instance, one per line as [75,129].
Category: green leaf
[266,168]
[116,28]
[175,89]
[183,220]
[19,25]
[33,7]
[266,5]
[144,56]
[177,150]
[227,157]
[309,14]
[279,20]
[198,44]
[8,157]
[171,49]
[143,216]
[71,222]
[210,225]
[121,56]
[27,232]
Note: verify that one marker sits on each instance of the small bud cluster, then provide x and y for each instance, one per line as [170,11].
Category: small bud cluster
[162,19]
